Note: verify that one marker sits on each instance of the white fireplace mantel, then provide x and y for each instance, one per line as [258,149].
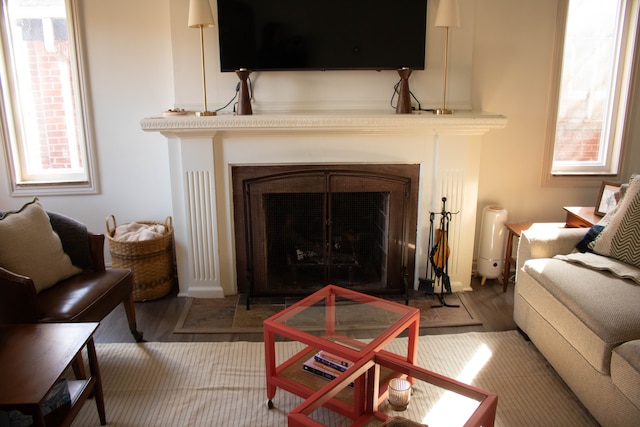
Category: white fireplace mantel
[459,123]
[202,151]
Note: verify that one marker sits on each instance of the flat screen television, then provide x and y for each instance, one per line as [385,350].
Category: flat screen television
[263,35]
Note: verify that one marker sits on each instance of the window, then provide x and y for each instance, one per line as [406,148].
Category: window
[44,126]
[594,74]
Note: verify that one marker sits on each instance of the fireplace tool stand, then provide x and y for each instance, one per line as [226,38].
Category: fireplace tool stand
[438,265]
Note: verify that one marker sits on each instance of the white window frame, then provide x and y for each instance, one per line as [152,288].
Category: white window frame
[616,116]
[14,129]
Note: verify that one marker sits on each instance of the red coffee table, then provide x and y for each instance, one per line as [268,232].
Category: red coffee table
[348,324]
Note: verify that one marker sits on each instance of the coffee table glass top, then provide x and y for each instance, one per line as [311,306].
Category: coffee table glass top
[344,316]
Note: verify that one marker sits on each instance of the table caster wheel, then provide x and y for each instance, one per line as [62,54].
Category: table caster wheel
[270,404]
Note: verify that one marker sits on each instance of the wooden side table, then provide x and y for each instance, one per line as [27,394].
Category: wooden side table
[581,216]
[34,356]
[515,230]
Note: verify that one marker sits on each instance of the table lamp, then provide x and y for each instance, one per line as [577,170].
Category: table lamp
[447,16]
[200,17]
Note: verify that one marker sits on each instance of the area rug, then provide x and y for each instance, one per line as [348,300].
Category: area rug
[223,384]
[230,316]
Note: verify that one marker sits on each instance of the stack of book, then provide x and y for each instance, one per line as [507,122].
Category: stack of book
[326,365]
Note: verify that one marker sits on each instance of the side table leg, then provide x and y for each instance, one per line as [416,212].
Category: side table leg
[507,262]
[38,418]
[270,364]
[78,367]
[95,374]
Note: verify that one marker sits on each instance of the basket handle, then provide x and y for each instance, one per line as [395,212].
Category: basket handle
[168,223]
[109,229]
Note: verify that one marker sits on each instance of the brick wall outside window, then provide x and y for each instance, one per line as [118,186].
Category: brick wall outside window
[577,142]
[49,102]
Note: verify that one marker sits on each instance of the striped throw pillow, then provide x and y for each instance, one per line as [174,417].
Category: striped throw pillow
[620,239]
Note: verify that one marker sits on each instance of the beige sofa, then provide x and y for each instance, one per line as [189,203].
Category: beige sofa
[585,321]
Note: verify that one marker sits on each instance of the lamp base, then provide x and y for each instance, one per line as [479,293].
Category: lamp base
[442,111]
[244,98]
[205,113]
[404,95]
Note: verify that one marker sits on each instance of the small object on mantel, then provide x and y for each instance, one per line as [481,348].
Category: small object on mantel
[404,94]
[175,112]
[244,97]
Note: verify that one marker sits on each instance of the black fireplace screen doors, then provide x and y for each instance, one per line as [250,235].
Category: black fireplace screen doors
[304,228]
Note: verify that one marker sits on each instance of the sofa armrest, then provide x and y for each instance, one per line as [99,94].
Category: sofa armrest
[18,298]
[546,243]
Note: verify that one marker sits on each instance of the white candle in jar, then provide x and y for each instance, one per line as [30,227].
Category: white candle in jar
[399,393]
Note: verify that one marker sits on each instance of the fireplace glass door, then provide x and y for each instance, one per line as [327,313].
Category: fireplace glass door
[312,239]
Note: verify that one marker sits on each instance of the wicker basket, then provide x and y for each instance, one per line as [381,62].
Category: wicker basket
[151,261]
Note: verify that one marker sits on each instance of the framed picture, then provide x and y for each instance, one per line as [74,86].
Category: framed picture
[607,198]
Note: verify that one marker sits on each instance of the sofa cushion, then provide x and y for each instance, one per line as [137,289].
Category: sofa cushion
[620,238]
[30,247]
[593,310]
[625,370]
[88,297]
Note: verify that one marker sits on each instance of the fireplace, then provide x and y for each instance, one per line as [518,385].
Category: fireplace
[301,227]
[203,151]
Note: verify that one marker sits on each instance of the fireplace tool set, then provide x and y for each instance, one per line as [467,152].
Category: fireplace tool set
[438,265]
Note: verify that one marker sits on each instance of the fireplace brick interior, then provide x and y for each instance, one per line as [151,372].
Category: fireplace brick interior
[298,228]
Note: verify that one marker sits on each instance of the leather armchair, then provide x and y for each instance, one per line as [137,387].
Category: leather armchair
[85,297]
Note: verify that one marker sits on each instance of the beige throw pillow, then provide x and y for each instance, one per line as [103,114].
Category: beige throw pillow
[620,238]
[30,247]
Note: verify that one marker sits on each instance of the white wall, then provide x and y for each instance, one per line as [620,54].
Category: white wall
[321,89]
[129,62]
[143,59]
[512,72]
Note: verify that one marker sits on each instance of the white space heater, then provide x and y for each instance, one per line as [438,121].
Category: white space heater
[491,242]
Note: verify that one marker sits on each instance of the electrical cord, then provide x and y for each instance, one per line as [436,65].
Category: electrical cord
[397,92]
[235,96]
[232,99]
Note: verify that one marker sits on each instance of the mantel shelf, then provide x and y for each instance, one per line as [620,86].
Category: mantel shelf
[470,123]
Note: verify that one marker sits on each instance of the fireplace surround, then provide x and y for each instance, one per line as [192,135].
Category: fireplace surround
[203,151]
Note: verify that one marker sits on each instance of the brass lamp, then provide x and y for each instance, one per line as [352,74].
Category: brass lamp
[200,17]
[447,16]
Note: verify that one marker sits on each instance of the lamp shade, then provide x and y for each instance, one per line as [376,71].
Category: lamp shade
[200,14]
[448,14]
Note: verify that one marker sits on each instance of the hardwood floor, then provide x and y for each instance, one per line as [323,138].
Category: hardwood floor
[156,319]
